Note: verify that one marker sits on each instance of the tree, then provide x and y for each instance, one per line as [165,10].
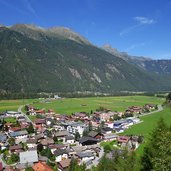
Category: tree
[157,153]
[107,148]
[55,139]
[39,147]
[17,123]
[11,141]
[77,136]
[29,169]
[30,129]
[168,98]
[14,158]
[90,126]
[85,133]
[73,165]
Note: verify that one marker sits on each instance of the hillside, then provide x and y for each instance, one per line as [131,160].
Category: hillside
[34,59]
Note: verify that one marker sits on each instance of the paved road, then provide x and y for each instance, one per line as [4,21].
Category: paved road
[27,118]
[160,108]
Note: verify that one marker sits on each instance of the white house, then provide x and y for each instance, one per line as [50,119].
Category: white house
[73,127]
[69,140]
[60,154]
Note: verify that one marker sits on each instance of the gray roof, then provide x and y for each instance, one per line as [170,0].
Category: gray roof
[24,166]
[84,139]
[92,133]
[62,134]
[59,152]
[28,157]
[85,154]
[3,137]
[69,138]
[18,133]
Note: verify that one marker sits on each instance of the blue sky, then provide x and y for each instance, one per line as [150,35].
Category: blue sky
[139,27]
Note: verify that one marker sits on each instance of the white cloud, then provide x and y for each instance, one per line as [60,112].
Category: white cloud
[30,8]
[141,21]
[144,20]
[134,46]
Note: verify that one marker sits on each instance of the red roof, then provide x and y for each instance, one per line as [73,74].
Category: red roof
[40,166]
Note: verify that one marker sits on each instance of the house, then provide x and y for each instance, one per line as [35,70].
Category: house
[47,141]
[40,166]
[110,137]
[28,157]
[109,124]
[12,114]
[96,135]
[41,111]
[69,139]
[73,127]
[3,138]
[49,121]
[31,143]
[88,140]
[3,141]
[54,147]
[60,154]
[86,155]
[64,164]
[62,134]
[21,119]
[10,168]
[79,148]
[16,148]
[19,134]
[50,111]
[107,130]
[123,140]
[39,123]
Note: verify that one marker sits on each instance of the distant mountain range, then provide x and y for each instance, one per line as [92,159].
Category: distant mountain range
[34,59]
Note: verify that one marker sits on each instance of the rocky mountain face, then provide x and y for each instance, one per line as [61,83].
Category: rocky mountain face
[34,59]
[147,64]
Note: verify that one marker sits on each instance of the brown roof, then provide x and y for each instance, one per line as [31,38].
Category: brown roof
[47,141]
[15,147]
[65,163]
[40,121]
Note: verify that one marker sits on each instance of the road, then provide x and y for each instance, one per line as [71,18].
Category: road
[160,108]
[27,118]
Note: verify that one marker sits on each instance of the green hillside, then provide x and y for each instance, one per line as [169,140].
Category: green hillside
[58,64]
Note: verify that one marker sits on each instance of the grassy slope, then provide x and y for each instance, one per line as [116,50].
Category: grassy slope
[148,124]
[71,105]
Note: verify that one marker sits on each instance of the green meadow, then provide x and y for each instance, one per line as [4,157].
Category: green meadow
[147,126]
[71,105]
[12,105]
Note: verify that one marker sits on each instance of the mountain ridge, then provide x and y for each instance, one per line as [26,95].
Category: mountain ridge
[49,63]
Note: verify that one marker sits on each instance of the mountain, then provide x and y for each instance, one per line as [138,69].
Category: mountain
[147,64]
[34,59]
[39,33]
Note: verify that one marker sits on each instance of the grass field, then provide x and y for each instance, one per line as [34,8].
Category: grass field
[147,126]
[70,105]
[13,104]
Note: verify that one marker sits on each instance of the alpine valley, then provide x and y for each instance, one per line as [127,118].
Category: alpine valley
[35,59]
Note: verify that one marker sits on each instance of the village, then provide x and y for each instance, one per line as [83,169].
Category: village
[52,141]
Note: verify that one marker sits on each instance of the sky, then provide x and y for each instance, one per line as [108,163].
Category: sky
[138,27]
